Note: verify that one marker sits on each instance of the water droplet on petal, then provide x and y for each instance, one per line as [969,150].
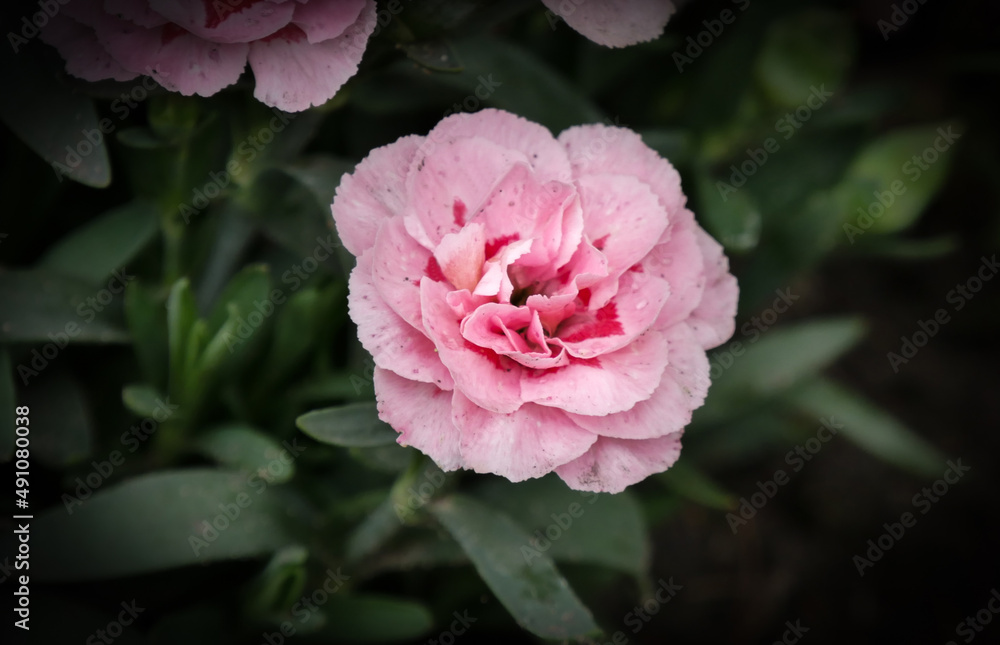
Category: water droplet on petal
[641,305]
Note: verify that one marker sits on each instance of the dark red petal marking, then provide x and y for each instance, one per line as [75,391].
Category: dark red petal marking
[493,246]
[290,33]
[170,33]
[216,11]
[636,268]
[488,354]
[585,296]
[599,243]
[458,212]
[433,270]
[606,324]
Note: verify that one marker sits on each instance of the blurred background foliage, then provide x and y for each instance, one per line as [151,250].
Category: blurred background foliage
[228,370]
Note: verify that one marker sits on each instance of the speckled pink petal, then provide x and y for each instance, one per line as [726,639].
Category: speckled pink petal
[714,319]
[528,443]
[614,23]
[325,19]
[373,193]
[681,391]
[393,344]
[134,11]
[292,74]
[612,465]
[85,57]
[421,413]
[226,21]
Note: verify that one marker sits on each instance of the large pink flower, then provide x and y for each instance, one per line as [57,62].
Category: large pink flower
[301,51]
[614,23]
[533,304]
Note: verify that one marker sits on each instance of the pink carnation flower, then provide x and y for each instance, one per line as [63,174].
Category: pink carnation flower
[614,23]
[531,303]
[301,51]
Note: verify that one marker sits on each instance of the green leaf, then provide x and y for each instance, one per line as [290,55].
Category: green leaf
[181,317]
[355,425]
[688,481]
[373,532]
[248,291]
[607,530]
[803,51]
[59,124]
[92,252]
[891,187]
[280,584]
[143,400]
[729,214]
[369,618]
[145,308]
[503,75]
[159,521]
[8,401]
[248,450]
[42,307]
[536,594]
[872,429]
[780,359]
[435,55]
[61,432]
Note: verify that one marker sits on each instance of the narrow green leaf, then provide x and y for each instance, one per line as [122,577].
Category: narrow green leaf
[61,431]
[355,425]
[729,214]
[607,530]
[687,481]
[247,449]
[145,309]
[39,306]
[369,618]
[59,124]
[143,400]
[159,521]
[248,291]
[92,252]
[866,425]
[536,594]
[181,317]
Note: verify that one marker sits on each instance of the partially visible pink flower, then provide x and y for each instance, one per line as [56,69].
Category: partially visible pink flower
[301,51]
[533,304]
[614,23]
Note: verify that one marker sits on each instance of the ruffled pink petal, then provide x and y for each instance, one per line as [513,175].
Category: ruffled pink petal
[611,383]
[325,19]
[496,280]
[136,12]
[460,256]
[393,344]
[84,55]
[398,266]
[226,21]
[292,74]
[615,23]
[490,380]
[528,443]
[612,465]
[536,144]
[448,183]
[421,413]
[373,193]
[679,261]
[714,319]
[598,149]
[681,391]
[631,312]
